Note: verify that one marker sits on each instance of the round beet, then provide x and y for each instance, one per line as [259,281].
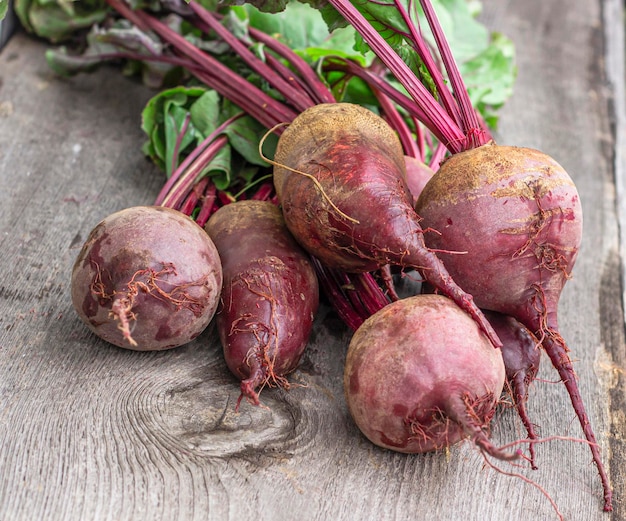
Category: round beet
[420,376]
[516,213]
[147,278]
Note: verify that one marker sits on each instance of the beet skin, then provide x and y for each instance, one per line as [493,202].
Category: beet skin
[340,175]
[521,352]
[269,297]
[420,376]
[147,278]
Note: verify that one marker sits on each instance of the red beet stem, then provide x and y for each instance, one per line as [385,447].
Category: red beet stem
[469,120]
[421,47]
[337,297]
[297,96]
[435,117]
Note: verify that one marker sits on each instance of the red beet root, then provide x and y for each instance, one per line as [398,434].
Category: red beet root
[340,176]
[516,215]
[420,376]
[269,297]
[147,278]
[521,354]
[417,175]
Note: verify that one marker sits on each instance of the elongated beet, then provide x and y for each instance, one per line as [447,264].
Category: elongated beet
[420,375]
[340,176]
[516,215]
[269,298]
[521,354]
[147,278]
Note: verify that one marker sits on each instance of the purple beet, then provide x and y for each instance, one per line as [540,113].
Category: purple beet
[148,278]
[513,218]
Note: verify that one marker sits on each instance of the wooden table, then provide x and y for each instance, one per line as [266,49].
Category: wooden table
[92,432]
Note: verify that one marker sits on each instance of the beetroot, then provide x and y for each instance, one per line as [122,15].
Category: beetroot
[521,354]
[269,297]
[340,175]
[147,278]
[420,376]
[515,214]
[418,174]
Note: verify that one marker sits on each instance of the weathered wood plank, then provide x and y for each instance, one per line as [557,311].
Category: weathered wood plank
[89,431]
[616,74]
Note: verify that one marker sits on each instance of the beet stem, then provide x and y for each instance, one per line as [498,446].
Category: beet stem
[207,205]
[435,117]
[469,120]
[211,71]
[298,97]
[421,48]
[409,104]
[312,80]
[337,297]
[308,79]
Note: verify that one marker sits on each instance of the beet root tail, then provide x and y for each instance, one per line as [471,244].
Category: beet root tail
[556,349]
[483,443]
[519,393]
[474,415]
[249,387]
[121,310]
[261,374]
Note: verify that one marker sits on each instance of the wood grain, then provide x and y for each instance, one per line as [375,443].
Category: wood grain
[92,432]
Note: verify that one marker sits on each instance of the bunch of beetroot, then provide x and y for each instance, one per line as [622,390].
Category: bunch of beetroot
[493,233]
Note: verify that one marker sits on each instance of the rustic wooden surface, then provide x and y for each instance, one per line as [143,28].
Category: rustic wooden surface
[92,432]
